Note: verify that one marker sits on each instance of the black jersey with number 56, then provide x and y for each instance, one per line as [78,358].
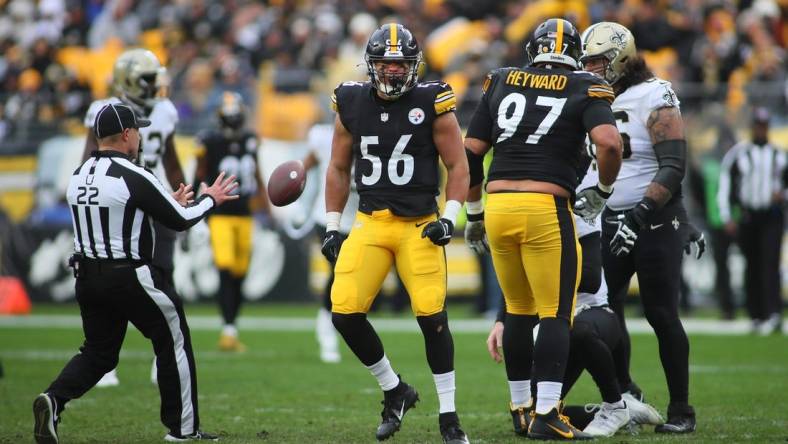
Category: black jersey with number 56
[396,161]
[537,120]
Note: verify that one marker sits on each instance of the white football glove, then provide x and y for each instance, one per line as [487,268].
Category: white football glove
[590,202]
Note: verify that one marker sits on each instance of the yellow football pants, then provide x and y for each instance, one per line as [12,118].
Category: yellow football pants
[231,240]
[535,252]
[375,243]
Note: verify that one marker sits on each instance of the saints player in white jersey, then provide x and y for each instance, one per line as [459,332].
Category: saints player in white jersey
[645,224]
[137,78]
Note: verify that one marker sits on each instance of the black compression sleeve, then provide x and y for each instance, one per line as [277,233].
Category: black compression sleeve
[672,158]
[476,167]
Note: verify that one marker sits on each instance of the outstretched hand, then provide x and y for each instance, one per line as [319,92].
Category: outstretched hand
[184,195]
[221,190]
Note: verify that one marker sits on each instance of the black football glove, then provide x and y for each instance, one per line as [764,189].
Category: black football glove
[695,237]
[439,231]
[590,202]
[628,227]
[332,243]
[476,235]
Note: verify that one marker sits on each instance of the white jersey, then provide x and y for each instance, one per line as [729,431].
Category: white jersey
[631,110]
[163,119]
[583,229]
[319,143]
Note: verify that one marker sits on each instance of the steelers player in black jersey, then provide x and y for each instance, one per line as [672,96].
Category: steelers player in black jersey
[537,118]
[394,129]
[232,148]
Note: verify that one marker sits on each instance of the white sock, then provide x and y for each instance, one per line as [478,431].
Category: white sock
[520,391]
[385,375]
[614,405]
[444,384]
[547,396]
[230,330]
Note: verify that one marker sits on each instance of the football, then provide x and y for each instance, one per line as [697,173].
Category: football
[286,183]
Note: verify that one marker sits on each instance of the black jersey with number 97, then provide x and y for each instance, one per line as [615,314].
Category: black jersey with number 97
[395,158]
[537,120]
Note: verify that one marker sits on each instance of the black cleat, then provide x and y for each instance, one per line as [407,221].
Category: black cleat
[196,436]
[450,429]
[554,426]
[681,419]
[396,403]
[521,418]
[45,413]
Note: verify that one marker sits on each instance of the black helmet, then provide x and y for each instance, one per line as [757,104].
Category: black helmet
[232,111]
[555,41]
[393,42]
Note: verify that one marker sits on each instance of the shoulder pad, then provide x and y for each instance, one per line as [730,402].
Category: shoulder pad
[342,90]
[93,109]
[660,94]
[168,107]
[442,96]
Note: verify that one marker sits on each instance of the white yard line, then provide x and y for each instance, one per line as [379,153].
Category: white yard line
[265,323]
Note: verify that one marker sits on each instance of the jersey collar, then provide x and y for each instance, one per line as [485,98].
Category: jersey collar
[109,153]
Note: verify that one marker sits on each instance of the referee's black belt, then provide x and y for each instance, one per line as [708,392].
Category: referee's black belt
[84,266]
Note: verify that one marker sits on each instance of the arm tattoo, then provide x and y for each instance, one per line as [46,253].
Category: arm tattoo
[665,124]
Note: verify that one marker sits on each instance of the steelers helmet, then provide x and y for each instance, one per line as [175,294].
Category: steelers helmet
[611,41]
[555,41]
[135,76]
[232,111]
[393,42]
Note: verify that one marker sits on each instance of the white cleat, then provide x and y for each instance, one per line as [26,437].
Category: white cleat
[642,413]
[110,379]
[608,420]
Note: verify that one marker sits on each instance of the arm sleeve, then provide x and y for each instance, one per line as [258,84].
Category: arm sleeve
[148,194]
[481,126]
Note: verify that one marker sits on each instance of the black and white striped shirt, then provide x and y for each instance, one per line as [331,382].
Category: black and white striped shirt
[113,204]
[750,175]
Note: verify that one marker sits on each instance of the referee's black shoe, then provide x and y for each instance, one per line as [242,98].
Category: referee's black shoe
[681,419]
[196,436]
[555,426]
[45,413]
[396,402]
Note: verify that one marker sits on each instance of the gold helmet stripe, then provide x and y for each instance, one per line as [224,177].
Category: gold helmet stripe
[559,38]
[393,37]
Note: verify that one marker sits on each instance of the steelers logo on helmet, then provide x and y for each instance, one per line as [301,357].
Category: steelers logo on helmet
[393,58]
[555,41]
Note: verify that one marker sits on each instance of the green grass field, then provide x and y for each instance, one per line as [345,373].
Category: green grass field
[279,392]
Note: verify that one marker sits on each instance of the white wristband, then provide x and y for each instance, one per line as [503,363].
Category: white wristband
[451,210]
[476,207]
[332,220]
[605,188]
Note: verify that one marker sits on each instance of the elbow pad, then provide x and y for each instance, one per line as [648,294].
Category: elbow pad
[475,167]
[672,158]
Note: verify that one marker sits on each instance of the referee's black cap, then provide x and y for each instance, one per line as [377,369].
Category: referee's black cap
[114,118]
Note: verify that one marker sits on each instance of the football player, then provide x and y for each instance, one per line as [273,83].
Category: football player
[595,334]
[394,129]
[137,78]
[231,148]
[537,118]
[645,224]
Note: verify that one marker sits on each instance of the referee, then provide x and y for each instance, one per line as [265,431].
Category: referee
[754,176]
[114,204]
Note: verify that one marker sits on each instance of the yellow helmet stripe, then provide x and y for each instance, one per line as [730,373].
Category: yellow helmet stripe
[393,37]
[559,38]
